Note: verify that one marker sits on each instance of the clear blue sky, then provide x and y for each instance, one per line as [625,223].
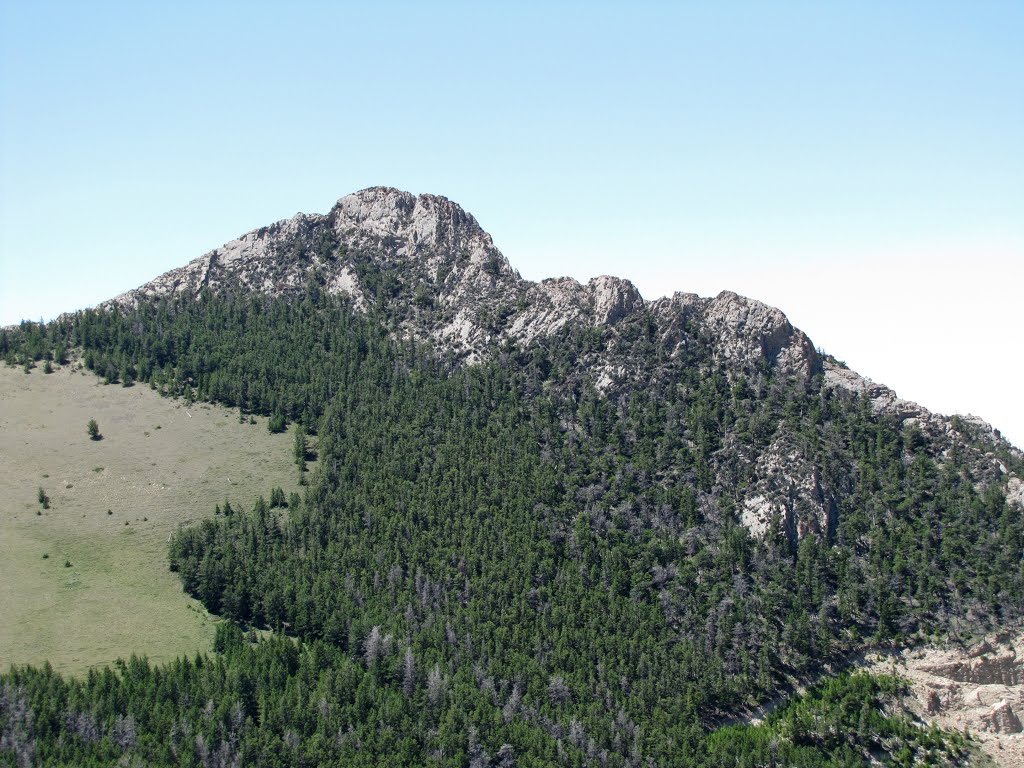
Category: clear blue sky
[860,165]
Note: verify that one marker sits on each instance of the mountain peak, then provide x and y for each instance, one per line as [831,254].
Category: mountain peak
[426,262]
[431,219]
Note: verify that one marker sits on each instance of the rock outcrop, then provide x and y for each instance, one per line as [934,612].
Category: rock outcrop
[985,668]
[788,493]
[1015,491]
[882,399]
[980,689]
[1002,719]
[747,331]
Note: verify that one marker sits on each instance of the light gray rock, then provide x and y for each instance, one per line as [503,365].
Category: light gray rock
[749,331]
[1015,491]
[613,298]
[882,399]
[477,301]
[788,491]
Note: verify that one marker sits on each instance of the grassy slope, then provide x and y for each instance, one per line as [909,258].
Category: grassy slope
[157,467]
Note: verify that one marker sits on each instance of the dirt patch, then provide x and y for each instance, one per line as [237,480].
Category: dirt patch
[86,581]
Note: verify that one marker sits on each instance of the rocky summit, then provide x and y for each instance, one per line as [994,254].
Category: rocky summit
[426,266]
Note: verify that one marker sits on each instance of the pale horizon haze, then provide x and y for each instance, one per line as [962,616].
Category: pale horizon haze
[858,165]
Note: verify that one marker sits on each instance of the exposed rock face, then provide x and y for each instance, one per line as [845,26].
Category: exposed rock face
[613,299]
[423,241]
[1002,719]
[428,266]
[980,689]
[1015,491]
[985,668]
[959,434]
[744,333]
[882,399]
[789,492]
[749,332]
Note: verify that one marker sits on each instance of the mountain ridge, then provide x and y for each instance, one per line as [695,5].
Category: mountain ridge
[445,249]
[428,267]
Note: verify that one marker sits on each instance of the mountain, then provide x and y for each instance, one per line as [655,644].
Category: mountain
[550,524]
[427,267]
[436,274]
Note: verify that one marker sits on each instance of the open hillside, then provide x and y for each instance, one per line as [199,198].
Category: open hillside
[85,581]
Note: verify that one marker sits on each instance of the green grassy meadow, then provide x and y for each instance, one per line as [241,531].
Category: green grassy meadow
[81,586]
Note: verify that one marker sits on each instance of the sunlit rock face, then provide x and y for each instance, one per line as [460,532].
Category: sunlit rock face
[979,688]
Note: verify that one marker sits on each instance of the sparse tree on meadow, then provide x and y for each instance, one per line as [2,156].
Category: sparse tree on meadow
[301,448]
[300,451]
